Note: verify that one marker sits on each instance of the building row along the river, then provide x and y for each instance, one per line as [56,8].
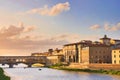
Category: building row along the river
[106,50]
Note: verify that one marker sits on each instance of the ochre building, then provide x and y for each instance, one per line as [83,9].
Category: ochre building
[116,56]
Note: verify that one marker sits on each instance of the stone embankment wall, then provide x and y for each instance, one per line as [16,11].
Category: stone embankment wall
[95,66]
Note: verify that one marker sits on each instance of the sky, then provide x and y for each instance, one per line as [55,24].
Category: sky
[29,26]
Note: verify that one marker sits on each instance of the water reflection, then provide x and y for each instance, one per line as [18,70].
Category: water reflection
[21,73]
[15,66]
[51,74]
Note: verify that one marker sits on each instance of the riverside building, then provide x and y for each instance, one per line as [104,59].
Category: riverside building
[116,56]
[94,53]
[87,52]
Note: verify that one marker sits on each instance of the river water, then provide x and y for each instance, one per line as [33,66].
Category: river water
[21,73]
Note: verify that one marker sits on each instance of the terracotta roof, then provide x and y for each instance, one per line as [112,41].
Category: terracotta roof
[116,39]
[97,45]
[70,44]
[116,49]
[87,42]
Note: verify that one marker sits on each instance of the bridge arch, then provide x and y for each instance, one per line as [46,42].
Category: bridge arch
[28,60]
[20,65]
[38,65]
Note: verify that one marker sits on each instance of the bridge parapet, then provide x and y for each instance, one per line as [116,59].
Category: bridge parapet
[29,60]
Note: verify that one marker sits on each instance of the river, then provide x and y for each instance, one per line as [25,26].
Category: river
[52,74]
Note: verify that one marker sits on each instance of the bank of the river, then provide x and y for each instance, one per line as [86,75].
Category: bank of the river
[113,72]
[3,76]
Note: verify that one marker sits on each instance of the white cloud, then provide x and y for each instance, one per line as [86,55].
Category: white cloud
[10,31]
[19,39]
[29,28]
[53,11]
[95,27]
[109,27]
[67,37]
[25,41]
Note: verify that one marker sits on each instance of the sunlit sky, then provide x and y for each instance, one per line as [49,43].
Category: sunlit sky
[28,26]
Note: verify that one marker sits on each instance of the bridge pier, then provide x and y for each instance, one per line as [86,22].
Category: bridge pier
[29,65]
[3,64]
[10,65]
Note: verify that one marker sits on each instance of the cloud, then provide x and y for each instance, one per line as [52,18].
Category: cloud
[106,27]
[10,31]
[95,27]
[69,38]
[29,28]
[109,27]
[19,39]
[15,39]
[53,11]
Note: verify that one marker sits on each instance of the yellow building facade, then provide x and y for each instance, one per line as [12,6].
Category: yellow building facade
[116,56]
[70,52]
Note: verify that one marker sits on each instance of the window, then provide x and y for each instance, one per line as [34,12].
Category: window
[103,56]
[119,51]
[119,56]
[96,51]
[99,51]
[119,61]
[114,51]
[114,56]
[115,61]
[103,51]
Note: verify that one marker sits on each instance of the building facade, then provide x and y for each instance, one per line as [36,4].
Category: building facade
[87,52]
[41,54]
[94,53]
[57,52]
[109,41]
[84,51]
[105,40]
[70,52]
[54,59]
[116,56]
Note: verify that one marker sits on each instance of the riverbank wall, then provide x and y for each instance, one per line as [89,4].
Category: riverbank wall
[95,66]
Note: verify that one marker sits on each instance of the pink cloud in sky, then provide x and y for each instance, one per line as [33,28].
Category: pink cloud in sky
[95,27]
[109,27]
[53,11]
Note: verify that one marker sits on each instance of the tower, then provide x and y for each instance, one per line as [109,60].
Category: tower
[105,40]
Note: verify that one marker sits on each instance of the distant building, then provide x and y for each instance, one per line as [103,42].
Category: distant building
[54,59]
[50,51]
[117,45]
[105,40]
[71,53]
[116,56]
[53,56]
[57,52]
[94,53]
[87,52]
[41,54]
[109,41]
[115,41]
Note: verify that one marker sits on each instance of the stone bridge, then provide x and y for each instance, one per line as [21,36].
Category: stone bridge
[28,60]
